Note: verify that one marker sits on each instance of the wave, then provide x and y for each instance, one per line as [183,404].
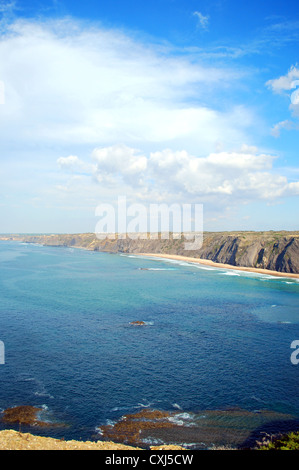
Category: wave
[133,408]
[43,393]
[38,389]
[167,260]
[182,419]
[157,269]
[229,273]
[177,406]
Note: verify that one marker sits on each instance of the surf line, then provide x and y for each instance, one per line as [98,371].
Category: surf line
[213,264]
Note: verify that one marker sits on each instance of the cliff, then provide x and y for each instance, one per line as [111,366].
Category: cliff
[275,251]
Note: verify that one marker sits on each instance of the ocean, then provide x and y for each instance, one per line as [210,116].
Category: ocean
[210,366]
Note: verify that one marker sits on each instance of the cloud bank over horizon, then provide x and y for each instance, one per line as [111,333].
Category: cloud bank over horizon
[220,180]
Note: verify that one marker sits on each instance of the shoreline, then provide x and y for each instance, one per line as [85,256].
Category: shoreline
[187,259]
[221,265]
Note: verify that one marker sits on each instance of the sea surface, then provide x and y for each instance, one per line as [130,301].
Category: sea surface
[214,353]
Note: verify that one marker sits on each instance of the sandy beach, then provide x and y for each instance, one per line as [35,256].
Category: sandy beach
[220,265]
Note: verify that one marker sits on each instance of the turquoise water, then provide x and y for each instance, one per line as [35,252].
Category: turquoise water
[213,340]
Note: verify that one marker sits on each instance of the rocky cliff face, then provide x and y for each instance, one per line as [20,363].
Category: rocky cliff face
[266,251]
[277,251]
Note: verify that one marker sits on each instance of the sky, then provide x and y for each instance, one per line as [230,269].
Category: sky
[158,101]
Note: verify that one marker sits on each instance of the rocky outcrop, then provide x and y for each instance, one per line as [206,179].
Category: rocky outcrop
[276,251]
[131,429]
[27,415]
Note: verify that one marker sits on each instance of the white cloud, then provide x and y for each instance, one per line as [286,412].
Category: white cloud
[74,84]
[289,84]
[287,125]
[7,6]
[203,21]
[239,175]
[285,82]
[68,162]
[222,178]
[241,160]
[121,161]
[73,163]
[294,188]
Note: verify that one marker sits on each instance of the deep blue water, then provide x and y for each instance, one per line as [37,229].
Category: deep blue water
[213,338]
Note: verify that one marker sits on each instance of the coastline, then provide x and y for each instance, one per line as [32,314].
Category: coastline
[220,265]
[267,253]
[187,259]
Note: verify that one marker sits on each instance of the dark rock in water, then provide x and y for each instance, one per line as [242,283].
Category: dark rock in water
[138,323]
[26,415]
[129,427]
[233,428]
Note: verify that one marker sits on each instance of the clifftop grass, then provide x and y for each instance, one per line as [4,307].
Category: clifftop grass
[284,442]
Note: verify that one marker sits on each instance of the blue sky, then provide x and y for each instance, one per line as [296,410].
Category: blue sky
[163,101]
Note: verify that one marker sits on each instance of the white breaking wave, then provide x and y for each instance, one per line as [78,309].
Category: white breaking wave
[183,419]
[230,273]
[177,406]
[205,268]
[159,269]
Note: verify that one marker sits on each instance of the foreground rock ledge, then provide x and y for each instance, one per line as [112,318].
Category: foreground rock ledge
[14,440]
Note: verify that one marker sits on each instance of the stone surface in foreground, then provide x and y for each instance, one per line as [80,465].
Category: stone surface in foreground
[14,440]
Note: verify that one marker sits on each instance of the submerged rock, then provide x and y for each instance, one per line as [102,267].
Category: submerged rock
[26,415]
[230,428]
[129,428]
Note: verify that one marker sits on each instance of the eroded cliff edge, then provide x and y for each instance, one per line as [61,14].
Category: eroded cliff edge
[276,251]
